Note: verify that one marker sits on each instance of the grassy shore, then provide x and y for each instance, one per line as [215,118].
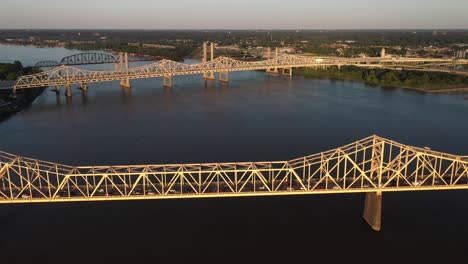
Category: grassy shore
[417,80]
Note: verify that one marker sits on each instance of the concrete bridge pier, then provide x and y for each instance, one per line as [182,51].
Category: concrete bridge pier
[84,87]
[287,71]
[57,89]
[224,76]
[209,75]
[273,71]
[167,81]
[68,92]
[125,83]
[373,210]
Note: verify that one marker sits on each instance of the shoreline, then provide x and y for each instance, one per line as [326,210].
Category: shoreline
[453,90]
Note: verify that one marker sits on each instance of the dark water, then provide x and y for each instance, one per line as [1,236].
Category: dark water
[254,117]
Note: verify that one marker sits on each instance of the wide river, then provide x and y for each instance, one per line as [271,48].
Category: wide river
[254,117]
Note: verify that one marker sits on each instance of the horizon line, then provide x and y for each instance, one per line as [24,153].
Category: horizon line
[244,29]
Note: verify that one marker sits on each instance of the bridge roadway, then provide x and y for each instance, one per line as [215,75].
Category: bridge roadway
[373,165]
[67,75]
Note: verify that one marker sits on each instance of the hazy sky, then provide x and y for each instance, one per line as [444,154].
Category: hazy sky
[234,14]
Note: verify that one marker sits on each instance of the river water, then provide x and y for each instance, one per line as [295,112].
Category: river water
[254,117]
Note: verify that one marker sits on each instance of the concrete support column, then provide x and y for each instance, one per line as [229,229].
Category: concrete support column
[68,92]
[209,75]
[167,81]
[84,87]
[224,76]
[57,88]
[124,65]
[125,83]
[287,71]
[373,210]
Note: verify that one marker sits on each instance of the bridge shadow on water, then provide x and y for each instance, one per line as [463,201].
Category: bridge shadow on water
[329,228]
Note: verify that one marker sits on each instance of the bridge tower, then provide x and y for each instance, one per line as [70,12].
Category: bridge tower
[273,70]
[208,75]
[373,203]
[123,66]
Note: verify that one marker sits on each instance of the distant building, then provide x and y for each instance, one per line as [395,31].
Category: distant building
[157,46]
[134,44]
[287,50]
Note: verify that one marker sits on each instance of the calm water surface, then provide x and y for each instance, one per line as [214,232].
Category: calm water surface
[254,117]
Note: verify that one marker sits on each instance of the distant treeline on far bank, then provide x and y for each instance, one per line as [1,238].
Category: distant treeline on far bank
[427,81]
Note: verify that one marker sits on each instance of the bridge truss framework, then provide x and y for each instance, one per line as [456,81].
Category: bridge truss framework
[68,75]
[373,165]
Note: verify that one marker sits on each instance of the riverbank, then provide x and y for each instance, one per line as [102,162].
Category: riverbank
[431,82]
[12,103]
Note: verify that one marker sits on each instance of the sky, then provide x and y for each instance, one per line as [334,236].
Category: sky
[234,14]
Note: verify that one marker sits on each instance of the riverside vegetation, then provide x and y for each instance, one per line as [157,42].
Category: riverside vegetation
[426,81]
[9,103]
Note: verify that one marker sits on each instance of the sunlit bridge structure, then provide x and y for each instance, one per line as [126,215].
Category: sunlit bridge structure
[373,165]
[65,76]
[86,59]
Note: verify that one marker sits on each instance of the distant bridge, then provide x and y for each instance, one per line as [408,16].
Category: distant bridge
[284,64]
[373,165]
[88,58]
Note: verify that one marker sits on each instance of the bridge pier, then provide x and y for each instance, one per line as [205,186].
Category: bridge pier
[209,75]
[287,71]
[167,81]
[373,210]
[224,76]
[273,71]
[84,87]
[68,92]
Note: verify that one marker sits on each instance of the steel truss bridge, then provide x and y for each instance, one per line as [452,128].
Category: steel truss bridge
[373,165]
[85,59]
[68,75]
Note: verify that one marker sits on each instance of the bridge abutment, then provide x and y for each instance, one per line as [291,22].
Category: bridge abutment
[373,210]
